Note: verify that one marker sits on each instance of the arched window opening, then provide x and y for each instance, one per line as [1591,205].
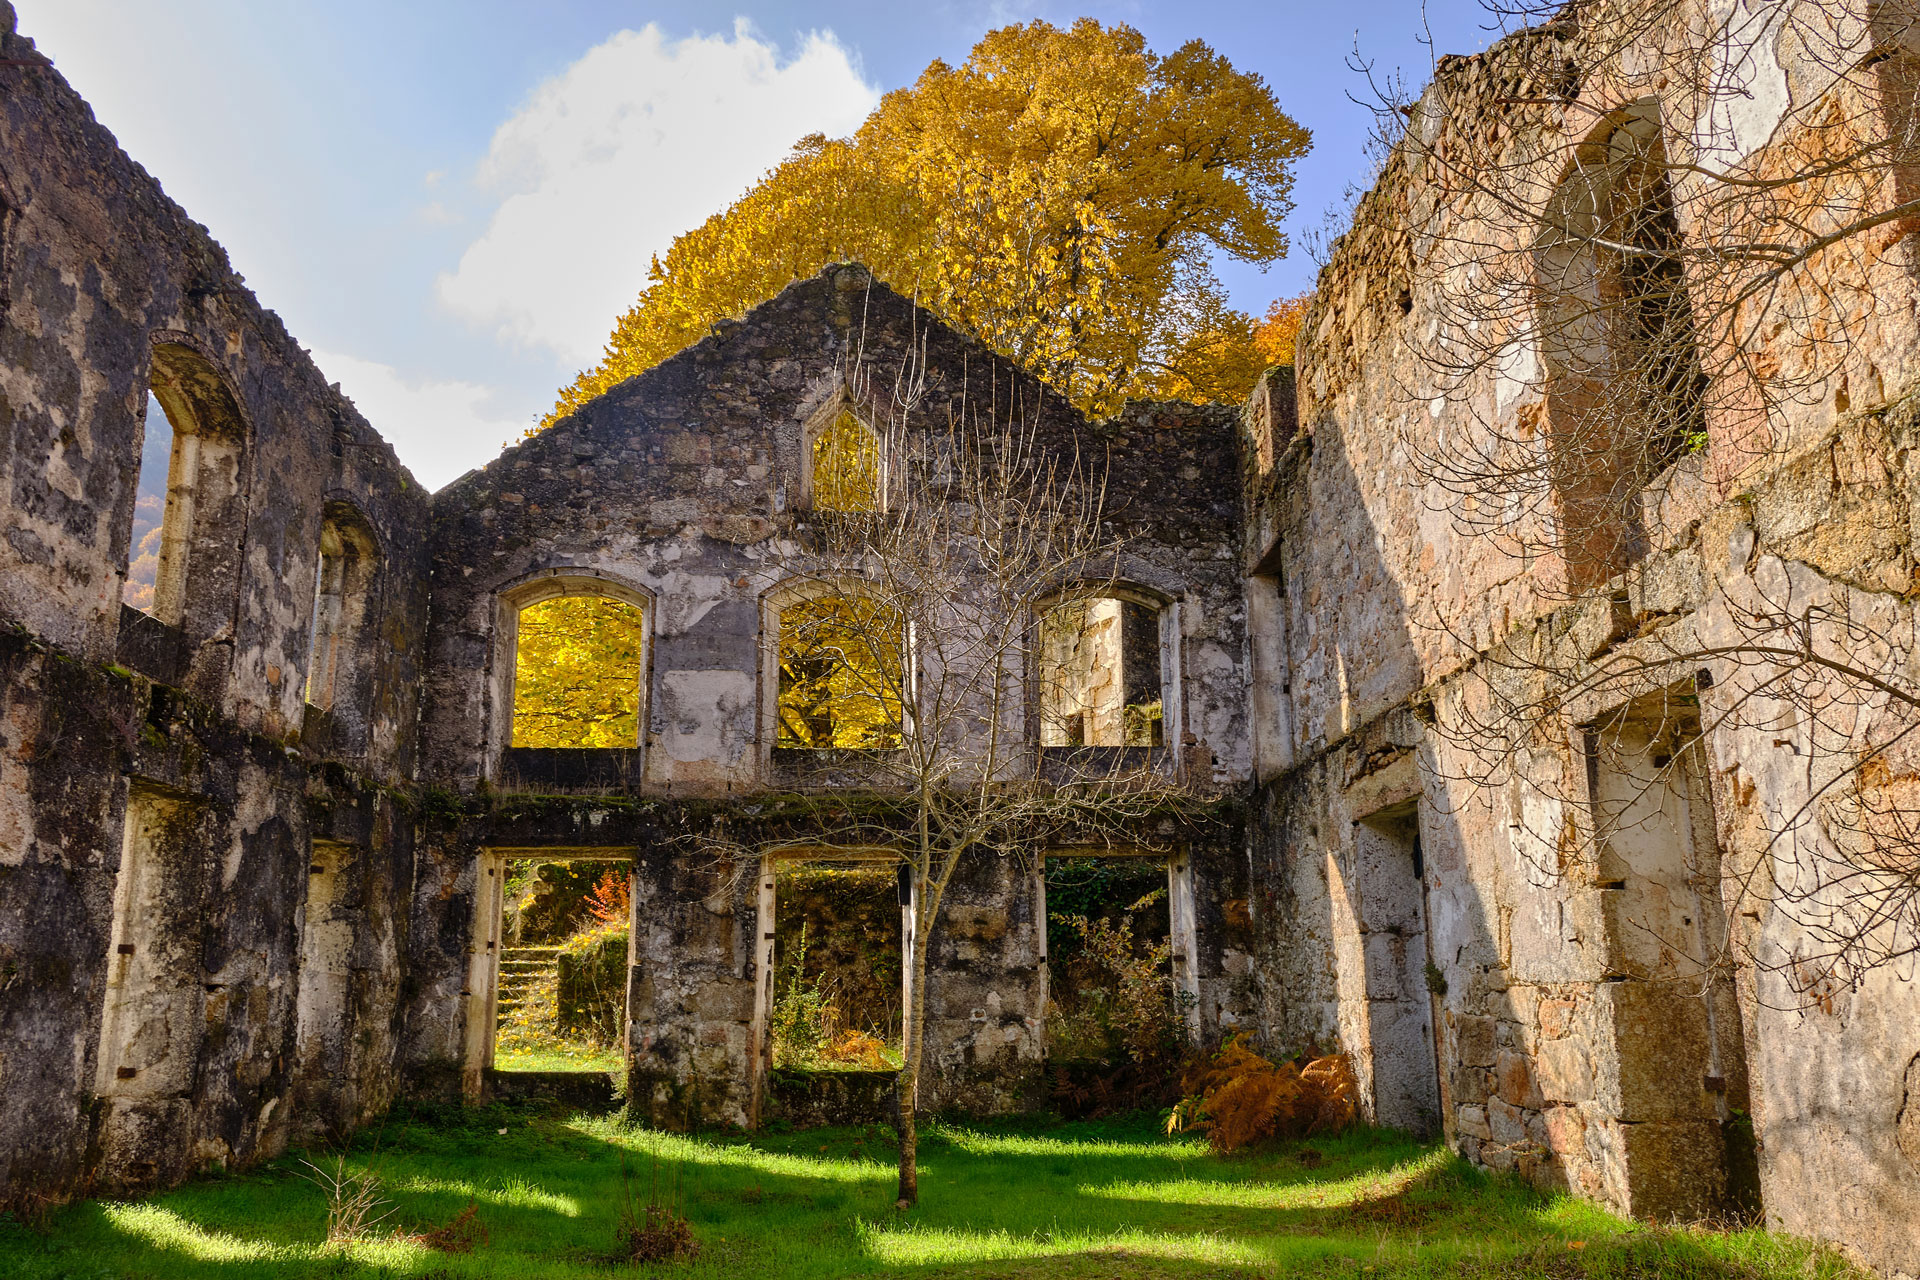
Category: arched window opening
[842,664]
[1625,389]
[1101,683]
[149,508]
[189,511]
[338,655]
[846,471]
[578,666]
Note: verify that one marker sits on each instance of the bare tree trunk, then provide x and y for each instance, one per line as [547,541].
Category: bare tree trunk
[913,1040]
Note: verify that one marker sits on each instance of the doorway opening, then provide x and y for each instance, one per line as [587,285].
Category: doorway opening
[1117,1002]
[1682,1091]
[563,942]
[1402,1066]
[837,1001]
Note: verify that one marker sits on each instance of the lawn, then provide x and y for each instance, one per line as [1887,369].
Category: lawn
[1059,1201]
[558,1055]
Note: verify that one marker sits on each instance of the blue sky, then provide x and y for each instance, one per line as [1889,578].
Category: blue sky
[449,201]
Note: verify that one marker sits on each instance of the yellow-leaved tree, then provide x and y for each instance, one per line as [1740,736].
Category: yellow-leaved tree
[1060,193]
[577,673]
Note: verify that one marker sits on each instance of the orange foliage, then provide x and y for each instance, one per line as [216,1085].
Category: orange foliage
[1275,336]
[1238,1097]
[611,899]
[857,1048]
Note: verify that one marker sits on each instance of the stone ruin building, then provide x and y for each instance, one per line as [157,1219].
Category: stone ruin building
[252,836]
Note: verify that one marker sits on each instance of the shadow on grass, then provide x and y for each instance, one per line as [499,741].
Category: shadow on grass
[1006,1200]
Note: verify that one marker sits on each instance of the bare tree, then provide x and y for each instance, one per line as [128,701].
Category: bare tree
[1651,249]
[909,653]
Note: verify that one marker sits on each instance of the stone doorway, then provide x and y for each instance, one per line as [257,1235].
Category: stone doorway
[1117,924]
[551,963]
[1391,901]
[832,985]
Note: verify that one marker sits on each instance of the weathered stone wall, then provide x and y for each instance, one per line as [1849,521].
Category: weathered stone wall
[680,490]
[1564,1042]
[159,802]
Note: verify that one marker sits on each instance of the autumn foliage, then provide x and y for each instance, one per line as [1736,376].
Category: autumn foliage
[1238,1097]
[577,673]
[1060,193]
[1275,336]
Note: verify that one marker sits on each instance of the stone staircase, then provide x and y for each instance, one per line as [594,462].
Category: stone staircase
[520,969]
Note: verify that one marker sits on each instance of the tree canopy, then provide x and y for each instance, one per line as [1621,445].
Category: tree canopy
[1060,193]
[577,673]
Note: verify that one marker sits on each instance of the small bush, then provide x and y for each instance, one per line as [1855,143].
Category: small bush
[799,1009]
[654,1232]
[1238,1097]
[857,1049]
[355,1204]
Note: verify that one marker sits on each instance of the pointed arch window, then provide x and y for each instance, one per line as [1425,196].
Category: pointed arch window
[845,465]
[340,658]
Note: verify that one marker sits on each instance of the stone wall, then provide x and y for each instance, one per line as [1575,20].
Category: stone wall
[680,491]
[175,831]
[1561,1037]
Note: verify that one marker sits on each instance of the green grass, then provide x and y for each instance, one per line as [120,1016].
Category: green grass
[559,1055]
[1029,1201]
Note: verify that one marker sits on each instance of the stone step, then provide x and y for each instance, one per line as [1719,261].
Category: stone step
[529,953]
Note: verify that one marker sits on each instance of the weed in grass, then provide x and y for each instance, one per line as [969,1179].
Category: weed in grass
[655,1232]
[355,1204]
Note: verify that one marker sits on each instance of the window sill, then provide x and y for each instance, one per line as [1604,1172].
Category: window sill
[563,769]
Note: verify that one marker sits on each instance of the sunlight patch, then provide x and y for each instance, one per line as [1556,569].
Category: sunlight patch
[165,1229]
[674,1147]
[987,1144]
[512,1193]
[917,1246]
[1240,1195]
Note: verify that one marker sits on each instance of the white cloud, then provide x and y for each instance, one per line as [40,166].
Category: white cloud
[637,141]
[441,430]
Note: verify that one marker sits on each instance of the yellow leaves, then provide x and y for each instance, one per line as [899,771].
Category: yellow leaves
[846,466]
[841,665]
[1058,194]
[1275,336]
[577,672]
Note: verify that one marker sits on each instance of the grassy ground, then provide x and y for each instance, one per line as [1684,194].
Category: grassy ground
[1062,1202]
[557,1055]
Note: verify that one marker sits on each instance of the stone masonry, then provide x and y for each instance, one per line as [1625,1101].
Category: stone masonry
[232,919]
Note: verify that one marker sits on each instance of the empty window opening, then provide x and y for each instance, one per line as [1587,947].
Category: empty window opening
[578,668]
[153,1018]
[190,522]
[149,507]
[339,659]
[563,942]
[323,1046]
[837,996]
[1683,1089]
[1116,1019]
[842,664]
[1625,390]
[1390,903]
[845,461]
[1100,674]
